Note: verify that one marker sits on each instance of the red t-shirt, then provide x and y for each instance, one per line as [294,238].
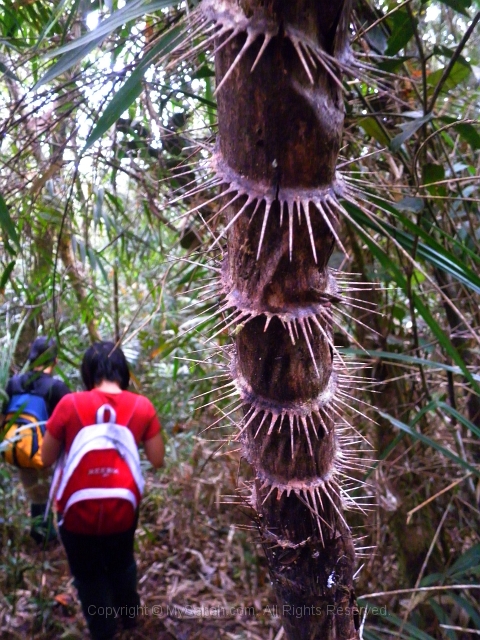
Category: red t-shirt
[78,410]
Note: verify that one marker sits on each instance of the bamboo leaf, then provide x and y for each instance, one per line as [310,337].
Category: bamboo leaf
[429,249]
[467,607]
[6,274]
[7,224]
[408,129]
[427,234]
[123,98]
[57,13]
[467,561]
[4,69]
[421,308]
[443,618]
[416,435]
[413,631]
[129,91]
[459,417]
[70,59]
[74,52]
[131,11]
[409,360]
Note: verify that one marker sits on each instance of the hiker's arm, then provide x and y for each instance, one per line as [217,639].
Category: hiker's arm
[51,448]
[155,450]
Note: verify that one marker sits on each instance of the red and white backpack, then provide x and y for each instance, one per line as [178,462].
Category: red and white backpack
[98,486]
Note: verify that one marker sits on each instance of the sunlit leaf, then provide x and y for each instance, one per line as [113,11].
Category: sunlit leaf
[371,126]
[458,73]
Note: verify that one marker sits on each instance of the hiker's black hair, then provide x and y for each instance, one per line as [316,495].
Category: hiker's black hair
[104,361]
[43,352]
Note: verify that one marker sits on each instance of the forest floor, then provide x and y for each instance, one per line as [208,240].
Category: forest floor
[201,572]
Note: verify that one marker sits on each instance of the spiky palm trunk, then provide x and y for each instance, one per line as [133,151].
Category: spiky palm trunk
[280,117]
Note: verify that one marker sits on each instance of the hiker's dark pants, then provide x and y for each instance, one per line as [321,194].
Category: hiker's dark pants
[105,576]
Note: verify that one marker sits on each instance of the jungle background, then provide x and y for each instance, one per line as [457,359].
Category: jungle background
[103,139]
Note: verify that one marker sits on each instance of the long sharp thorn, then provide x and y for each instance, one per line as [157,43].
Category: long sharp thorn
[291,435]
[309,225]
[290,230]
[306,48]
[314,428]
[330,72]
[250,39]
[332,502]
[302,59]
[268,494]
[265,414]
[326,218]
[273,422]
[305,428]
[255,413]
[281,422]
[268,206]
[266,40]
[290,330]
[307,340]
[249,201]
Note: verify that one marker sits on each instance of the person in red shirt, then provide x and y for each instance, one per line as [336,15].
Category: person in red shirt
[103,567]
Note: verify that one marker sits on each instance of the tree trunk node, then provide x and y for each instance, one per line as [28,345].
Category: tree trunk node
[280,119]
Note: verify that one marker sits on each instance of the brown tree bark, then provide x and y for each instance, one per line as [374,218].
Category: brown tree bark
[280,118]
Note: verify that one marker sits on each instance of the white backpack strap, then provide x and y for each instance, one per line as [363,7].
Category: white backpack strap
[57,475]
[106,414]
[99,494]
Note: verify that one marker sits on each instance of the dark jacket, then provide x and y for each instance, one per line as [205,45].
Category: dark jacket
[40,384]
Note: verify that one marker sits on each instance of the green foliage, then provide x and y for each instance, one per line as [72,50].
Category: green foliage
[101,141]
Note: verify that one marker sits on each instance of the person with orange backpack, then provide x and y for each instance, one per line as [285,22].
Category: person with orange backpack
[31,399]
[98,484]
